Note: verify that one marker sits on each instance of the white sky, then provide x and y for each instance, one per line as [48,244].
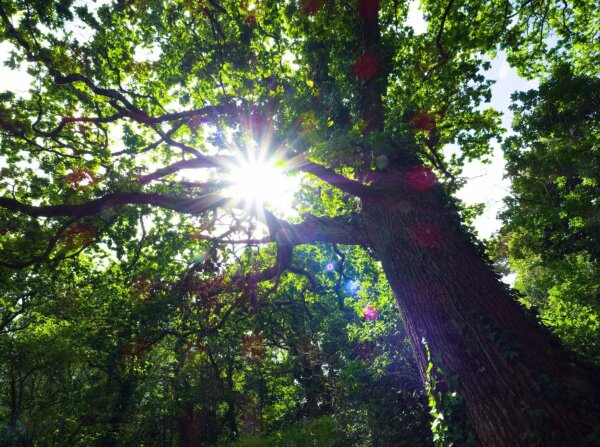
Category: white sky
[415,18]
[486,183]
[18,82]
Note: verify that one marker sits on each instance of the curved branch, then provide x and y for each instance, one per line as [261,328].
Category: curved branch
[434,157]
[314,283]
[73,119]
[45,254]
[221,240]
[129,110]
[183,205]
[444,56]
[328,175]
[282,262]
[342,230]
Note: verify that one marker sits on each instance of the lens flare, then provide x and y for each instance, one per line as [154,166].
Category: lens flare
[370,313]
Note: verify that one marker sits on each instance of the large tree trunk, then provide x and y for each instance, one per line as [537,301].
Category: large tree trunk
[496,376]
[518,386]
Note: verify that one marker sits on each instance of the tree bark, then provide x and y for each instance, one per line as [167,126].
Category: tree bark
[518,385]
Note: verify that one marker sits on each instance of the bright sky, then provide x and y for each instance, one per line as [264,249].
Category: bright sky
[485,181]
[17,82]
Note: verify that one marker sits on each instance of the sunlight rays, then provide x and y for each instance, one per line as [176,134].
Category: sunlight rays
[258,180]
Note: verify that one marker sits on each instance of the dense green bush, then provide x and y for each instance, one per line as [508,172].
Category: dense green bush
[321,432]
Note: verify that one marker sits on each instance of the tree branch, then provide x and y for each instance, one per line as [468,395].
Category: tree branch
[345,230]
[184,205]
[328,175]
[200,161]
[45,254]
[444,57]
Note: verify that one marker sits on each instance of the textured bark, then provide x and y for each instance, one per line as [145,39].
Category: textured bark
[518,385]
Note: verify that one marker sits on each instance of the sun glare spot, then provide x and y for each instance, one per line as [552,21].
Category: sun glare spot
[258,181]
[352,287]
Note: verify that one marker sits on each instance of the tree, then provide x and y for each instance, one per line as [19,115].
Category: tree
[364,108]
[552,225]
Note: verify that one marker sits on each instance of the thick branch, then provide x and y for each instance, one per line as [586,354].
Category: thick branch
[341,230]
[282,262]
[183,205]
[328,175]
[314,284]
[346,230]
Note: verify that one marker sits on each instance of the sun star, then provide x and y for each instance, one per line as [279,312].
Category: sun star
[259,181]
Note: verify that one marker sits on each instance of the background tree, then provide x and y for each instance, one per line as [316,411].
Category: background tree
[552,221]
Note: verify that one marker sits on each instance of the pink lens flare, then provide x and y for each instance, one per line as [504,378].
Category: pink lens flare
[426,235]
[366,65]
[421,178]
[370,313]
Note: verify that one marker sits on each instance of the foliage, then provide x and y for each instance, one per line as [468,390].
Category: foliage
[321,432]
[141,304]
[112,362]
[553,218]
[450,426]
